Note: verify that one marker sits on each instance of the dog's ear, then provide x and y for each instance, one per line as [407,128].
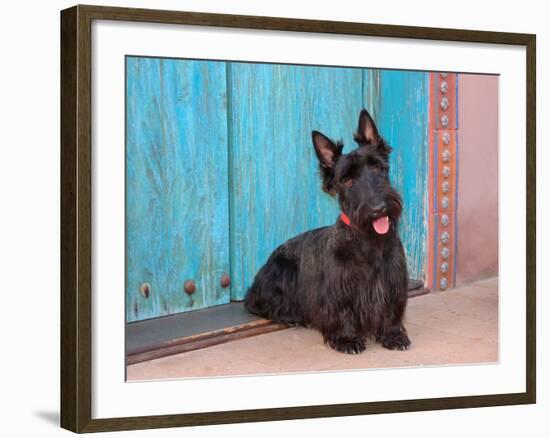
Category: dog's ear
[328,153]
[367,133]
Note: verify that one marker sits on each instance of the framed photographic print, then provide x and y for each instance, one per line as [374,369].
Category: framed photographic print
[303,218]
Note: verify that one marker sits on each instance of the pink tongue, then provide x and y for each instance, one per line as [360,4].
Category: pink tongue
[381,225]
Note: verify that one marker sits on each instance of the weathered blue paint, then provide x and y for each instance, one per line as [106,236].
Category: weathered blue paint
[221,168]
[275,190]
[176,185]
[400,104]
[371,92]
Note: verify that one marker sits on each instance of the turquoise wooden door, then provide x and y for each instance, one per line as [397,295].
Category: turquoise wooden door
[221,169]
[176,186]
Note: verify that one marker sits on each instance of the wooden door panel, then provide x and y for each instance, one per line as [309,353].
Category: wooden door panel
[275,189]
[399,103]
[176,185]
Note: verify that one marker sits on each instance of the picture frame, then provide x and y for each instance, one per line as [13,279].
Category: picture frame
[77,192]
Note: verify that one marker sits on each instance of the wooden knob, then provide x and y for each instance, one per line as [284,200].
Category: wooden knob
[145,289]
[189,287]
[225,280]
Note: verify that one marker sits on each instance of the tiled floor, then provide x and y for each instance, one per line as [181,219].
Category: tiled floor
[459,326]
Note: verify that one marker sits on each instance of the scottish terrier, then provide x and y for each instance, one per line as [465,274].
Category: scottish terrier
[348,280]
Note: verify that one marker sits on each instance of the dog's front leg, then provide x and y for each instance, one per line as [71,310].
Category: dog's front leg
[343,344]
[342,335]
[395,338]
[393,334]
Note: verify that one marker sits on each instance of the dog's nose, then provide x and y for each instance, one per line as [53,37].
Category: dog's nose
[379,209]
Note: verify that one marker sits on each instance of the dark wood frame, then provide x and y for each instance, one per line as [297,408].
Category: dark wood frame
[76,219]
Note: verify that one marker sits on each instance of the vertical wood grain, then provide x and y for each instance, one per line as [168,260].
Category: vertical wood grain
[275,188]
[371,92]
[69,363]
[399,101]
[176,185]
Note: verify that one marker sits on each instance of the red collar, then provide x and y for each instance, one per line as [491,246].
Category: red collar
[346,219]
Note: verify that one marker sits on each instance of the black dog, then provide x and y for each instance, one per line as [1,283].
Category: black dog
[348,280]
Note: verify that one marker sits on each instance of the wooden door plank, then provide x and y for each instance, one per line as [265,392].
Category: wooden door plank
[275,189]
[399,102]
[176,185]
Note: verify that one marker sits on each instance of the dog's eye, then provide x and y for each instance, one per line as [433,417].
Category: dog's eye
[374,165]
[378,168]
[348,182]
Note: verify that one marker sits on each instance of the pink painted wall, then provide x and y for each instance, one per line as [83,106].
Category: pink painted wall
[477,213]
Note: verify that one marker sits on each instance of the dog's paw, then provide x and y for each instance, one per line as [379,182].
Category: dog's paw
[396,341]
[348,346]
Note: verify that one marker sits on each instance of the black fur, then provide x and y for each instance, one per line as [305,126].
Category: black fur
[348,281]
